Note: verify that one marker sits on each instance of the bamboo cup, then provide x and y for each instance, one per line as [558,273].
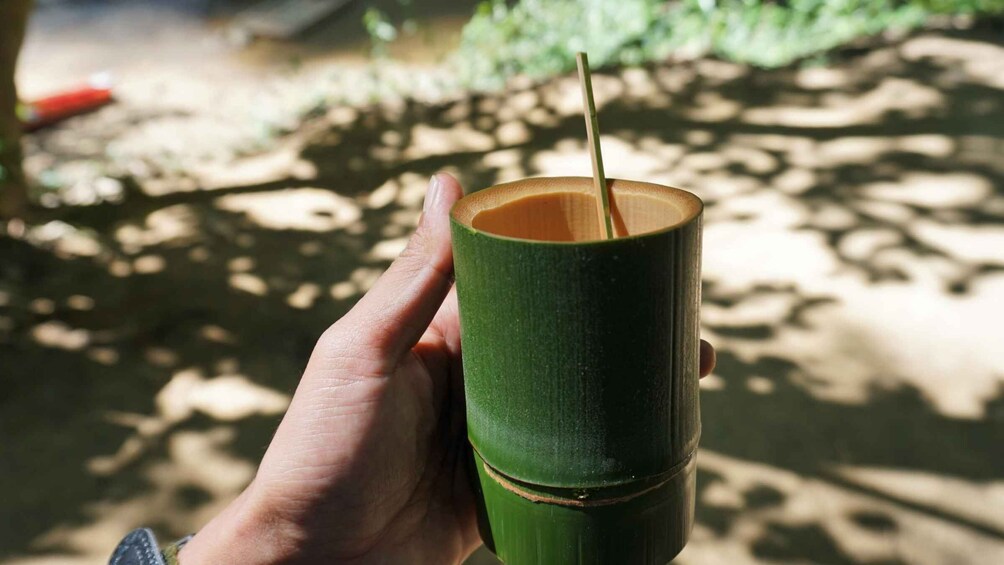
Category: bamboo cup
[581,359]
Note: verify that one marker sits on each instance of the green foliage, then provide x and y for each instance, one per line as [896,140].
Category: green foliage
[381,31]
[540,37]
[771,35]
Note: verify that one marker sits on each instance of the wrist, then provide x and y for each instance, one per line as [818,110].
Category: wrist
[250,531]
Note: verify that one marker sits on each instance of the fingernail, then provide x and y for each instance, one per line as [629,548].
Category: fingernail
[433,194]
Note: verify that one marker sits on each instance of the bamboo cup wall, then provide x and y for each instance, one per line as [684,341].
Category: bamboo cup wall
[581,368]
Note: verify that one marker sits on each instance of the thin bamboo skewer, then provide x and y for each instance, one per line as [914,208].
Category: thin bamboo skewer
[592,133]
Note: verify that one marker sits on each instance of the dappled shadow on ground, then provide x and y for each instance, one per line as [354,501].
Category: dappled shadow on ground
[853,251]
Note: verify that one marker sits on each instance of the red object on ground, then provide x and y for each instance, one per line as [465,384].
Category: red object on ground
[52,109]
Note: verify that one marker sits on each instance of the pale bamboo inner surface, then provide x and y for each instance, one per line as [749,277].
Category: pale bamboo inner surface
[563,209]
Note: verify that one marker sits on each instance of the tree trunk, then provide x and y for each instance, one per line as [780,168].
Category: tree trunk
[13,186]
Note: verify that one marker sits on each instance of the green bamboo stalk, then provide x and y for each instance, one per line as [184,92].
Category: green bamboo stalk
[581,368]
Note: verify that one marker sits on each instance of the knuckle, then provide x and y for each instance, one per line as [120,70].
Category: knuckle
[348,352]
[417,247]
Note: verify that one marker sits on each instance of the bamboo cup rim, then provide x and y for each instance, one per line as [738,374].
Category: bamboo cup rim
[561,210]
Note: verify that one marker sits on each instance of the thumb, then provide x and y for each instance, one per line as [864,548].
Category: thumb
[394,314]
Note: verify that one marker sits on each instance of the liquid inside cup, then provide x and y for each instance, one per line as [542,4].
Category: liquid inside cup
[565,209]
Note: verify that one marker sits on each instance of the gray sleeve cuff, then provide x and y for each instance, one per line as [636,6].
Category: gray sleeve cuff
[139,547]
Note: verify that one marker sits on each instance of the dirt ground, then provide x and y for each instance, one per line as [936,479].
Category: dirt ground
[853,267]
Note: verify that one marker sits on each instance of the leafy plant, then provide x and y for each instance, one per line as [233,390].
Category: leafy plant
[381,31]
[540,37]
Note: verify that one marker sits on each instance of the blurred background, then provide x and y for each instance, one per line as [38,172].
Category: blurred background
[192,190]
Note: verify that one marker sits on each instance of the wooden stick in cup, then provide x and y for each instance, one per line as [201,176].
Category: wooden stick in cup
[592,133]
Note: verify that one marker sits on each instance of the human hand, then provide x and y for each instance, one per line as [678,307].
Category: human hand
[369,463]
